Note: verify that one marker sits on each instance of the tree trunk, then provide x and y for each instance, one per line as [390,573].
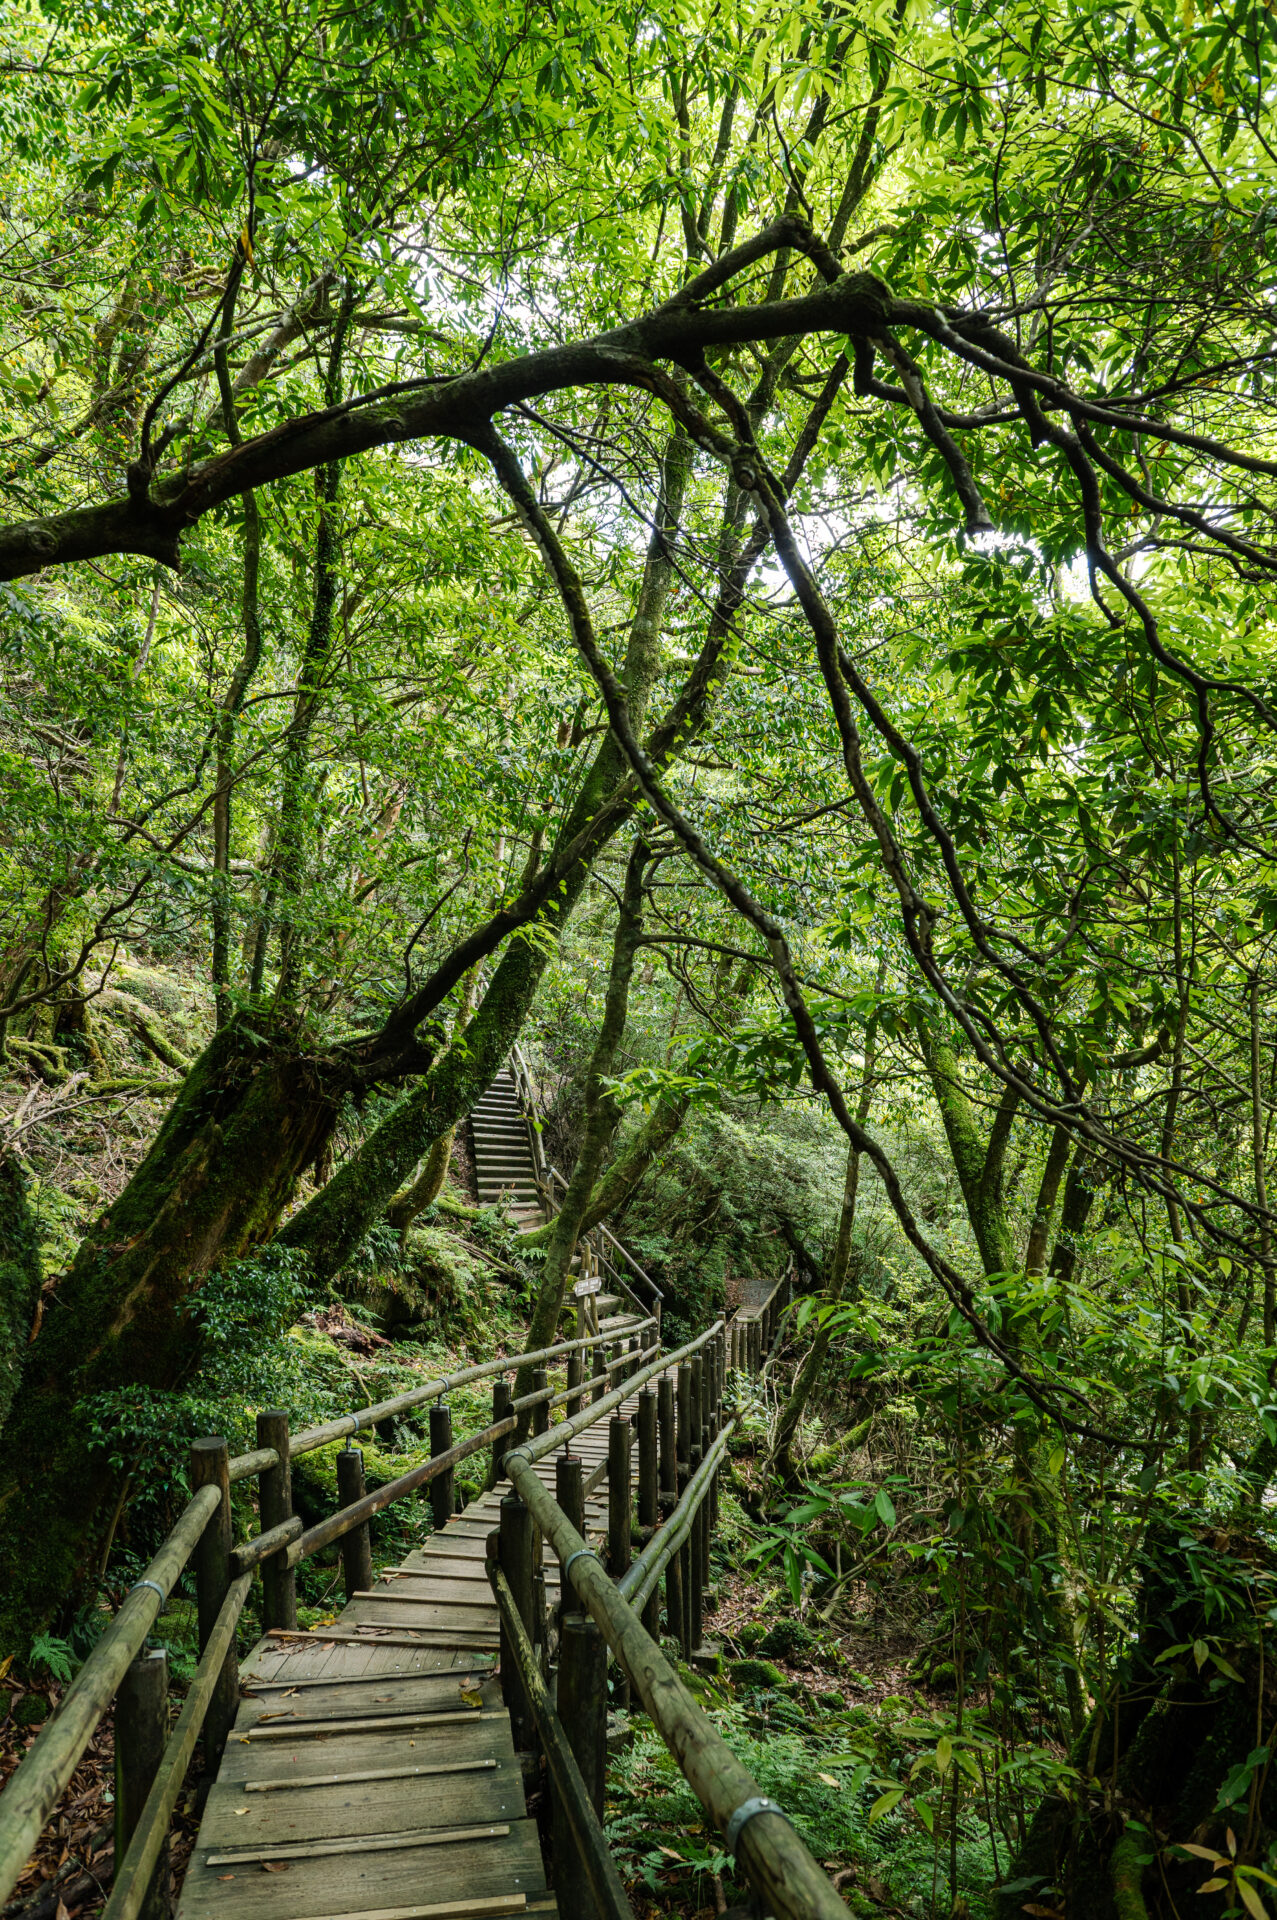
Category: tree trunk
[782,1460]
[245,1125]
[429,1183]
[601,1115]
[19,1277]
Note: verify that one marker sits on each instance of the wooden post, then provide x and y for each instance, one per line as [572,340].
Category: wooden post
[648,1491]
[442,1490]
[582,1708]
[356,1546]
[684,1471]
[516,1546]
[541,1413]
[701,1381]
[696,1570]
[141,1733]
[667,1441]
[569,1490]
[620,1511]
[210,1464]
[600,1378]
[619,1495]
[575,1375]
[667,1448]
[275,1504]
[501,1398]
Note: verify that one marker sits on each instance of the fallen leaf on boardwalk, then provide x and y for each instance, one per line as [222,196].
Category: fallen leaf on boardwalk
[240,1810]
[471,1697]
[226,1876]
[274,1866]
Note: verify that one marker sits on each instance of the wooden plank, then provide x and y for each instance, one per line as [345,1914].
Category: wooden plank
[359,1884]
[493,1909]
[366,1773]
[290,1728]
[469,1643]
[490,1793]
[414,1688]
[361,1842]
[345,1752]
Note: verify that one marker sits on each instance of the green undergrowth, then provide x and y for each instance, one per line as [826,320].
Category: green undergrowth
[860,1784]
[269,1343]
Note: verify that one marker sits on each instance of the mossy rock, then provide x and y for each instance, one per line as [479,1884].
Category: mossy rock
[834,1701]
[31,1710]
[788,1640]
[752,1635]
[756,1673]
[153,988]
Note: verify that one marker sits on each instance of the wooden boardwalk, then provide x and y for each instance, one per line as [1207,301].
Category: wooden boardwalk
[371,1769]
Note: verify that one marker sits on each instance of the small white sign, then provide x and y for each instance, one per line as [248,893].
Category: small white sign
[592,1285]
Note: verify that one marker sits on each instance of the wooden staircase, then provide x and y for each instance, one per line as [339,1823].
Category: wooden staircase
[504,1164]
[507,1175]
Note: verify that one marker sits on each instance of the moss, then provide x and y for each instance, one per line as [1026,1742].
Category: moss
[752,1635]
[154,988]
[247,1120]
[788,1640]
[755,1673]
[834,1701]
[19,1276]
[31,1710]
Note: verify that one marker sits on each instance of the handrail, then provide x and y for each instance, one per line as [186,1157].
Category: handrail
[601,1228]
[624,1251]
[638,1585]
[133,1875]
[348,1424]
[40,1780]
[536,1449]
[611,1902]
[778,1863]
[300,1546]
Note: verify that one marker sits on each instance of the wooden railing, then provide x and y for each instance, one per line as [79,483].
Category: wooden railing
[118,1670]
[751,1331]
[682,1427]
[683,1430]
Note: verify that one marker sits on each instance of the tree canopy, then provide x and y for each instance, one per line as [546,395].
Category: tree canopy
[768,512]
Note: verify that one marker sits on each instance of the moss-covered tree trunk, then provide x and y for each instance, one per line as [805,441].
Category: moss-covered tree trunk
[601,1115]
[247,1122]
[979,1160]
[782,1461]
[19,1277]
